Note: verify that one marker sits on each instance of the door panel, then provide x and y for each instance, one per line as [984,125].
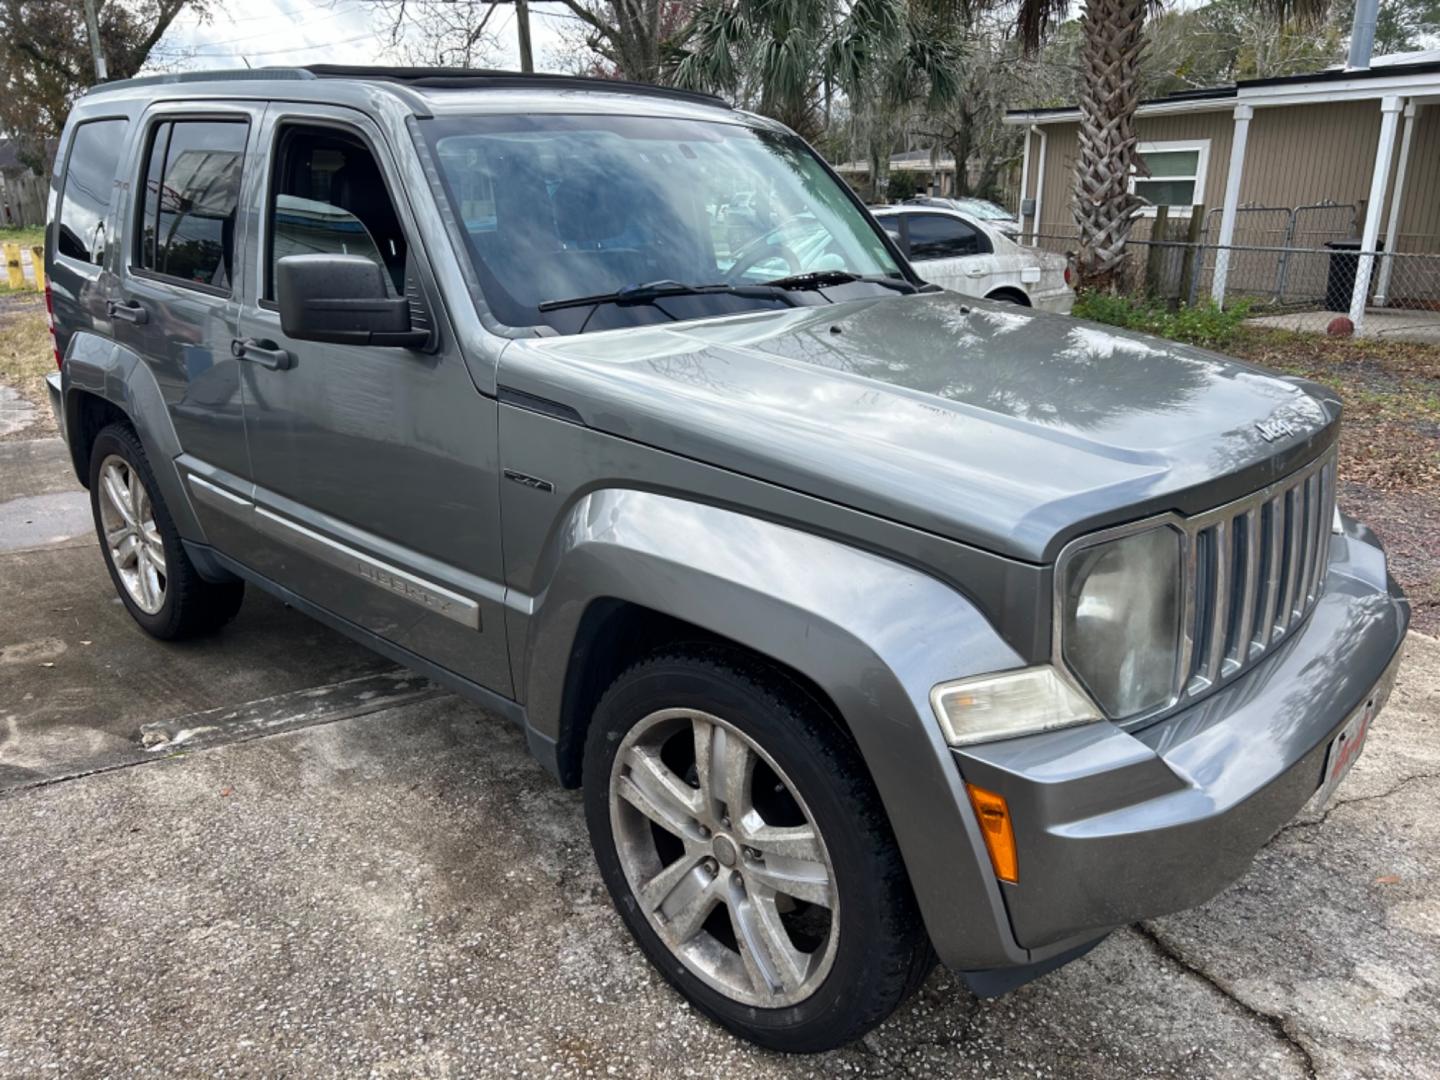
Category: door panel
[951,253]
[176,304]
[376,477]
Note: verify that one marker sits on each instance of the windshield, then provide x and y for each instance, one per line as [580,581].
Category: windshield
[556,208]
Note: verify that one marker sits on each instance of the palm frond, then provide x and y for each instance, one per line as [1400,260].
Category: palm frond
[1035,20]
[707,50]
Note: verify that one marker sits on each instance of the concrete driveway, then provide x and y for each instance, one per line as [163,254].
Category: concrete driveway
[271,853]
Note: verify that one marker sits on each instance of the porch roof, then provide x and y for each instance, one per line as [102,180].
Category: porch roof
[1414,75]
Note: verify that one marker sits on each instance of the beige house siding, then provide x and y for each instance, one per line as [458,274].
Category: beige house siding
[1310,153]
[1296,155]
[1063,149]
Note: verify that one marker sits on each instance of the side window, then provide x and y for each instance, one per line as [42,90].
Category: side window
[328,196]
[90,174]
[192,190]
[933,236]
[891,224]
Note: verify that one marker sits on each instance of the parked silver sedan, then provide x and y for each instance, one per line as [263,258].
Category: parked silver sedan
[963,254]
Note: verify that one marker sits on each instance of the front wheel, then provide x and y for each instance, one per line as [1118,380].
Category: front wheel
[745,848]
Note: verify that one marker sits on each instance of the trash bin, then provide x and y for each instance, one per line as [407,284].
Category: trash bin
[1344,265]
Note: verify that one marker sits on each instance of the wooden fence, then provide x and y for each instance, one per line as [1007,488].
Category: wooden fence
[22,198]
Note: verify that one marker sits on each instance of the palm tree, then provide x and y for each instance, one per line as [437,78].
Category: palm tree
[1112,42]
[785,57]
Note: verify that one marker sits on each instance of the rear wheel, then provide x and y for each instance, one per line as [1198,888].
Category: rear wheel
[143,552]
[745,848]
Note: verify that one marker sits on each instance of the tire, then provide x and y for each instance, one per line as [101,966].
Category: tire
[154,577]
[848,965]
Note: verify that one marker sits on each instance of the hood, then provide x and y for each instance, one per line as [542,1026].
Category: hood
[990,424]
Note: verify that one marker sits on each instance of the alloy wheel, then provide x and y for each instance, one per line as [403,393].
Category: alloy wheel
[724,858]
[132,539]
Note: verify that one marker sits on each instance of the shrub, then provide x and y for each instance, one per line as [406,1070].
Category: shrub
[1205,324]
[905,184]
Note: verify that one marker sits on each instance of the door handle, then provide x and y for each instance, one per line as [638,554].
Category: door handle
[131,311]
[264,353]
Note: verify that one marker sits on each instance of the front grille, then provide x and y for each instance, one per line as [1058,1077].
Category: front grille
[1254,569]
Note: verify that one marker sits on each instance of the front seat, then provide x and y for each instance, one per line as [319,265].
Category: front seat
[359,188]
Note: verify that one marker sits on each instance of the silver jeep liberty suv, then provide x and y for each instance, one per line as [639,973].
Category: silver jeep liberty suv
[876,623]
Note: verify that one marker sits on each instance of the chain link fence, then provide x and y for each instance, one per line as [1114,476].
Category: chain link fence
[1296,268]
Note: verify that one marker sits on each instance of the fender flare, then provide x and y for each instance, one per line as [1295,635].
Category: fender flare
[874,634]
[97,366]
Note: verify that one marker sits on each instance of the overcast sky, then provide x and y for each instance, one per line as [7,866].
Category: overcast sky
[269,33]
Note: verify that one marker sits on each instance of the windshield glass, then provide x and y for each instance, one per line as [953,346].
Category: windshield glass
[556,208]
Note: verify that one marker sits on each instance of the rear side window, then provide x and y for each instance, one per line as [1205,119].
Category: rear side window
[90,174]
[933,236]
[192,190]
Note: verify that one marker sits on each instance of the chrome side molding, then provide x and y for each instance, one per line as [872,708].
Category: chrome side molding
[367,568]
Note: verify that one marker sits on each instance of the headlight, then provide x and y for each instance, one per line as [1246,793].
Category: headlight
[1120,605]
[1009,703]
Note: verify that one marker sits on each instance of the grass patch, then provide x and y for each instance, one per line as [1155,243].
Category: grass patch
[27,237]
[1204,324]
[26,357]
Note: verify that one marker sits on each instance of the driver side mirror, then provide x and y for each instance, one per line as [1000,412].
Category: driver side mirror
[342,299]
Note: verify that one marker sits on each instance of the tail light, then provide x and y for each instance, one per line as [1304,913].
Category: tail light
[50,319]
[1068,275]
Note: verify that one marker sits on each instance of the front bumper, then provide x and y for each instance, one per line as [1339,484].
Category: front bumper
[1114,826]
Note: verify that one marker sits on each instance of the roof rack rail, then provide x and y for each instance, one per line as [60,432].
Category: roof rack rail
[442,78]
[266,74]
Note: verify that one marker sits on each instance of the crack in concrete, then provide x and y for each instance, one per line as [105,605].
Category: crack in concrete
[1278,1025]
[347,711]
[1394,789]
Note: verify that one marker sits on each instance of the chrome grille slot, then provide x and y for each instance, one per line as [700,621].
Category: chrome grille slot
[1255,568]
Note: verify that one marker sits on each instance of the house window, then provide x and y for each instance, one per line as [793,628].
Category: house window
[1177,173]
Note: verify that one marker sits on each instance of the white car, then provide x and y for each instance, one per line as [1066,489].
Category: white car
[965,255]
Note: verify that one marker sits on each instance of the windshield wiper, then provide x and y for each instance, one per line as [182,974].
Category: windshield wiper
[650,291]
[823,279]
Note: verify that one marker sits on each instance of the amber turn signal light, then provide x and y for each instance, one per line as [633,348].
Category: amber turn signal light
[995,826]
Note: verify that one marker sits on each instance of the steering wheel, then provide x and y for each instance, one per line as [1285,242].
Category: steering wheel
[759,254]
